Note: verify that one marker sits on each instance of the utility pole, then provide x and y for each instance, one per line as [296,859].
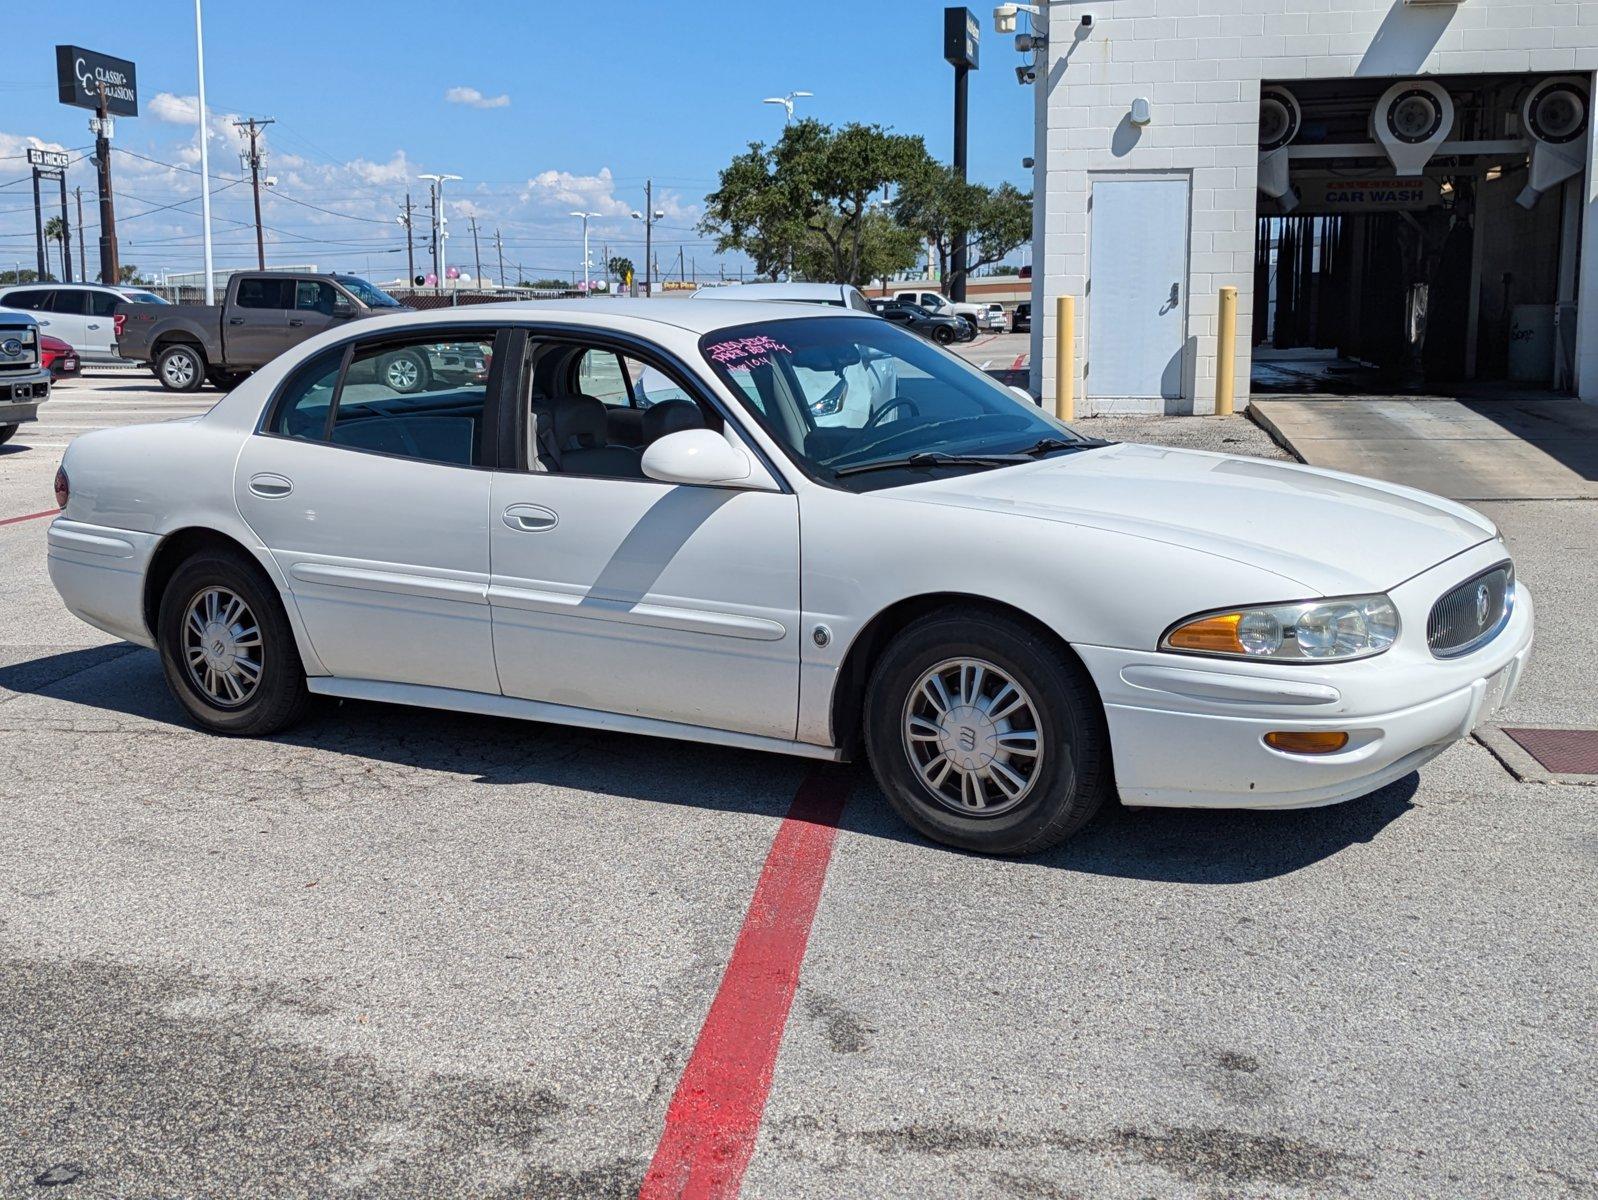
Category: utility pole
[83,262]
[436,184]
[477,257]
[253,158]
[499,247]
[682,272]
[102,127]
[410,247]
[649,216]
[38,229]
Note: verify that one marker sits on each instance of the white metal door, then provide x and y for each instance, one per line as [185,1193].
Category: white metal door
[1137,303]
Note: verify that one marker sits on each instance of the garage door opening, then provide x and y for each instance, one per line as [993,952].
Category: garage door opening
[1420,236]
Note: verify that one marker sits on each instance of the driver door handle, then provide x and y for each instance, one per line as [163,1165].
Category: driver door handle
[295,322]
[235,320]
[530,518]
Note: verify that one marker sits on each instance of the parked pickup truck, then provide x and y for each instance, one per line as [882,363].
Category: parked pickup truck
[937,302]
[24,379]
[262,314]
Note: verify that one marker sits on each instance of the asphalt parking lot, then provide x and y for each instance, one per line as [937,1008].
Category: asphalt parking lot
[399,953]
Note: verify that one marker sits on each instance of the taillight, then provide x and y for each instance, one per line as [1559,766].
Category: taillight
[117,322]
[63,490]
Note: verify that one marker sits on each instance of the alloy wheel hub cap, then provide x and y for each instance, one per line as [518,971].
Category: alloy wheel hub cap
[968,738]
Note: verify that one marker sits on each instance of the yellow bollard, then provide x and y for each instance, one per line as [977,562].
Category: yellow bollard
[1226,353]
[1065,358]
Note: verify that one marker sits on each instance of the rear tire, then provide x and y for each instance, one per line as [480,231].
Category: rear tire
[235,671]
[1041,763]
[224,380]
[180,368]
[7,432]
[405,373]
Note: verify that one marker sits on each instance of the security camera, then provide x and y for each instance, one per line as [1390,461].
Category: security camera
[1004,18]
[1027,163]
[1025,75]
[1087,20]
[1026,43]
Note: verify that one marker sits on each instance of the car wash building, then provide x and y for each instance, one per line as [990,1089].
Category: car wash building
[1401,191]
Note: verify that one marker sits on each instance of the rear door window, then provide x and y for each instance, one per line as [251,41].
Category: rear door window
[70,303]
[265,293]
[103,304]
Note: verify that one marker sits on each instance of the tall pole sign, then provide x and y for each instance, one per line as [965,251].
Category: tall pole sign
[109,86]
[51,164]
[961,35]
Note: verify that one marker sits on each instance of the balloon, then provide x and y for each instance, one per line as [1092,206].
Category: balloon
[453,273]
[431,279]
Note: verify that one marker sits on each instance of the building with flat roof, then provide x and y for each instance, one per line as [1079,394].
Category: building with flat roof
[1399,190]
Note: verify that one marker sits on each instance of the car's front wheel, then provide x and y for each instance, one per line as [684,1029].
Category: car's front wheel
[405,372]
[227,649]
[7,432]
[180,368]
[943,335]
[985,735]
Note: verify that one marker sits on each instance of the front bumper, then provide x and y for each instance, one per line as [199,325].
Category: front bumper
[1188,732]
[21,393]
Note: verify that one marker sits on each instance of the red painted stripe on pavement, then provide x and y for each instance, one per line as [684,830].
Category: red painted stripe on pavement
[49,512]
[715,1113]
[1020,361]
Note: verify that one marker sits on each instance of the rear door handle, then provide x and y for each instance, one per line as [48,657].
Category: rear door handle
[530,518]
[93,325]
[271,487]
[296,322]
[235,320]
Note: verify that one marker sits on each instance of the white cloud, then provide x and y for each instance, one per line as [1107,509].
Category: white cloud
[473,98]
[592,193]
[174,110]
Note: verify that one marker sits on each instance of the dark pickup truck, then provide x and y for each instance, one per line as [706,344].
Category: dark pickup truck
[262,314]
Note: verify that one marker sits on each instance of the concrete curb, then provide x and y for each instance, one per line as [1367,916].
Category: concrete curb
[1518,760]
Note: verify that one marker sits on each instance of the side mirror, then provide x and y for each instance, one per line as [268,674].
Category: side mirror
[343,308]
[699,456]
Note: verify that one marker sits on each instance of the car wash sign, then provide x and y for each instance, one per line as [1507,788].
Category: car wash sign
[1366,195]
[82,74]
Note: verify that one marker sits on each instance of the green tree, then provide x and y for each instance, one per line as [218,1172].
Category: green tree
[55,231]
[947,210]
[805,200]
[621,268]
[128,273]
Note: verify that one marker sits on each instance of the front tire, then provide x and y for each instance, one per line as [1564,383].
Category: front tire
[227,648]
[180,368]
[405,373]
[943,335]
[985,735]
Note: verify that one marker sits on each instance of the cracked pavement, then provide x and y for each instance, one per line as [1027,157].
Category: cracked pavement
[400,953]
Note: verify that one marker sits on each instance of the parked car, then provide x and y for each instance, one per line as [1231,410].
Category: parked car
[836,295]
[60,359]
[938,327]
[80,314]
[993,319]
[954,581]
[262,314]
[937,302]
[1021,318]
[24,379]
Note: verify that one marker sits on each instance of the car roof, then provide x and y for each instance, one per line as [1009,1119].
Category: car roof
[56,285]
[681,314]
[771,291]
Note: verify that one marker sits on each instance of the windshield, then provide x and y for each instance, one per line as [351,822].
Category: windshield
[843,392]
[145,298]
[372,297]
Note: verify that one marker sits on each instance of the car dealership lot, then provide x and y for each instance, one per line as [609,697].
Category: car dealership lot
[398,952]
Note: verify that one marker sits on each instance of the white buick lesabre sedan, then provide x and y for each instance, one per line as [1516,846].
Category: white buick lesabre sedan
[791,529]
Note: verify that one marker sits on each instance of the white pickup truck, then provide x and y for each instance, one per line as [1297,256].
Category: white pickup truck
[975,315]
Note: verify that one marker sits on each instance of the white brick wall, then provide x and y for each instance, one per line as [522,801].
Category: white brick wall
[1200,63]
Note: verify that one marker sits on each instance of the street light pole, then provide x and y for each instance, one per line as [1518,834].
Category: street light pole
[437,183]
[587,274]
[649,216]
[787,104]
[205,157]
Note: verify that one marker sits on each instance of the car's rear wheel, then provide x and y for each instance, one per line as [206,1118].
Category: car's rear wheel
[7,432]
[985,735]
[180,368]
[224,380]
[405,372]
[227,649]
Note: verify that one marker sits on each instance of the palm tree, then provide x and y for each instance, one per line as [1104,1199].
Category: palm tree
[55,231]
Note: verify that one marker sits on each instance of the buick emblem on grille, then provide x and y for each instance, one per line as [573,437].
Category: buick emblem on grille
[1484,603]
[12,347]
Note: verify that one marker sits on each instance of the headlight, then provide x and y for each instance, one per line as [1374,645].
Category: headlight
[1312,631]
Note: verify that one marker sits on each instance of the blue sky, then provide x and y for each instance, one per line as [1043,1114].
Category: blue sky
[596,98]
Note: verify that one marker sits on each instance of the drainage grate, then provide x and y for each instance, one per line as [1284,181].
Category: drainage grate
[1560,751]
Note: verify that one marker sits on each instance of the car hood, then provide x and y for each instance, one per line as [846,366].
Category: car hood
[1327,532]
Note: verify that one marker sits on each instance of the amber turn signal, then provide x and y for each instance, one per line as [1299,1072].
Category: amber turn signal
[1212,635]
[1306,741]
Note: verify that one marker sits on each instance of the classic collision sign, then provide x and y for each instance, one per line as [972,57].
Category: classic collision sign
[79,74]
[1367,195]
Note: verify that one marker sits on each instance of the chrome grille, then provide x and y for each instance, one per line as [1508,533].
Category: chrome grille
[26,355]
[1471,614]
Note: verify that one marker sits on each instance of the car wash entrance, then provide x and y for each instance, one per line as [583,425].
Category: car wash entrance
[1419,236]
